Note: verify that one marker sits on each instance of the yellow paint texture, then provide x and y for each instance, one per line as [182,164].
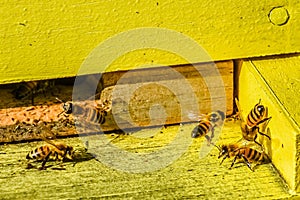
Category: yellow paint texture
[188,177]
[284,132]
[283,76]
[51,39]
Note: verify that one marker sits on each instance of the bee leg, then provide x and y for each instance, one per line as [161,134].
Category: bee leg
[29,166]
[264,134]
[74,164]
[208,140]
[261,146]
[61,164]
[45,160]
[227,156]
[247,162]
[212,133]
[233,161]
[265,119]
[258,130]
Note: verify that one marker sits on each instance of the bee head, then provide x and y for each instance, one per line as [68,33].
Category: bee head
[223,150]
[67,107]
[260,109]
[216,116]
[69,152]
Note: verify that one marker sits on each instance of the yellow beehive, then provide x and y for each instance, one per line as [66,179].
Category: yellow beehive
[160,51]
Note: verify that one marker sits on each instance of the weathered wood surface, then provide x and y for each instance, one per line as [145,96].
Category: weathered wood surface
[188,177]
[168,95]
[277,90]
[150,97]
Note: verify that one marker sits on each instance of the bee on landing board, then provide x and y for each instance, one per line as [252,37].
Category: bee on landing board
[249,155]
[251,126]
[56,151]
[208,124]
[28,90]
[91,114]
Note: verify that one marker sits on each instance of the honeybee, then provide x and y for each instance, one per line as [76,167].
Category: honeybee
[251,126]
[57,151]
[29,89]
[90,113]
[257,115]
[208,124]
[249,155]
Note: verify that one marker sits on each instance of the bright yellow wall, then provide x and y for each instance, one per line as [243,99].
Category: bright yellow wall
[48,39]
[272,88]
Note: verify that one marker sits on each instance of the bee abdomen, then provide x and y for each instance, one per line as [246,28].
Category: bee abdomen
[38,153]
[204,127]
[25,90]
[96,116]
[253,155]
[101,118]
[254,117]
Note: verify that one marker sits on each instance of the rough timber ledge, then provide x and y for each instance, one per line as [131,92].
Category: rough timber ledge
[39,45]
[276,82]
[186,178]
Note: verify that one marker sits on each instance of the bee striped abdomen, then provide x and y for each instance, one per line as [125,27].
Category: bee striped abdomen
[95,116]
[202,129]
[25,90]
[38,153]
[254,117]
[252,155]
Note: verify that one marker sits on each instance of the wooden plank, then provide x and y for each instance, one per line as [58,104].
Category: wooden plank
[53,44]
[138,98]
[143,91]
[282,74]
[188,177]
[284,132]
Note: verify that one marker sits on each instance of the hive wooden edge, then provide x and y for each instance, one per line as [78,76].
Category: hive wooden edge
[283,148]
[48,113]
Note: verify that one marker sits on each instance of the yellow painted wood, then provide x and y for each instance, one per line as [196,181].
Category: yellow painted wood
[284,132]
[282,74]
[51,39]
[188,177]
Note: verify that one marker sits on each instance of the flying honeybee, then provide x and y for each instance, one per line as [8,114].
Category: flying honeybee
[90,113]
[208,124]
[249,155]
[251,126]
[57,151]
[28,90]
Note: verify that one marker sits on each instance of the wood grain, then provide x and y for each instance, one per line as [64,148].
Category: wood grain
[187,177]
[137,98]
[284,132]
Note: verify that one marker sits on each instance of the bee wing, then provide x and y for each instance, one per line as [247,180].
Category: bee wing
[239,110]
[246,143]
[196,117]
[48,136]
[95,101]
[94,97]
